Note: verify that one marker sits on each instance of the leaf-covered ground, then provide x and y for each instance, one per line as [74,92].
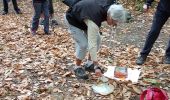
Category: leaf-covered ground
[39,67]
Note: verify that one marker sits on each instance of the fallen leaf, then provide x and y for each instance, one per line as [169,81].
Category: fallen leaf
[67,74]
[137,90]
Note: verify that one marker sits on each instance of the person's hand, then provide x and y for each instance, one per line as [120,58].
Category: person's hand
[98,72]
[145,7]
[111,21]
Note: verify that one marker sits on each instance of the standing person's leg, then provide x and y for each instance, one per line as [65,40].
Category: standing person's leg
[167,53]
[51,9]
[36,17]
[51,12]
[46,17]
[159,20]
[5,10]
[16,7]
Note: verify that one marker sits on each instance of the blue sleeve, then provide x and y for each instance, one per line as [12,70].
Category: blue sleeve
[149,2]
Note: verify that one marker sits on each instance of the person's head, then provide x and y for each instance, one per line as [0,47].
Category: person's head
[116,13]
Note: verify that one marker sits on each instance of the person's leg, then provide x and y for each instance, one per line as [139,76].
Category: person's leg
[159,20]
[80,38]
[36,17]
[90,65]
[167,53]
[51,9]
[81,46]
[16,7]
[46,17]
[5,4]
[53,21]
[89,62]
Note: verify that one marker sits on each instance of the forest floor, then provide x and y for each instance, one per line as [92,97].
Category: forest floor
[40,67]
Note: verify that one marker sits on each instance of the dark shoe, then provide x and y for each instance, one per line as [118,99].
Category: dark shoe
[141,59]
[18,12]
[80,73]
[89,68]
[92,68]
[54,22]
[167,60]
[4,13]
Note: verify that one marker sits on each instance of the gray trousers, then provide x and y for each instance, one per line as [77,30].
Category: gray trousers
[80,39]
[38,8]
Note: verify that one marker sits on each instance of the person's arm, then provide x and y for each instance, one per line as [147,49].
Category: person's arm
[92,33]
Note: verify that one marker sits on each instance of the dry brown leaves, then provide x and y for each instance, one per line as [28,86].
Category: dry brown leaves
[40,67]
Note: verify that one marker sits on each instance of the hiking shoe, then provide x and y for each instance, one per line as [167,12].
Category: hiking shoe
[94,68]
[167,60]
[89,68]
[4,13]
[54,22]
[141,59]
[80,73]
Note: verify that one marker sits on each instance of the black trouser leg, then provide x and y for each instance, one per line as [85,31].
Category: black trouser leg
[158,21]
[15,5]
[167,53]
[45,9]
[36,17]
[5,3]
[51,9]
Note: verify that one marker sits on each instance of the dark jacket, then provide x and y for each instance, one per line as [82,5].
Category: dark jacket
[95,10]
[163,5]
